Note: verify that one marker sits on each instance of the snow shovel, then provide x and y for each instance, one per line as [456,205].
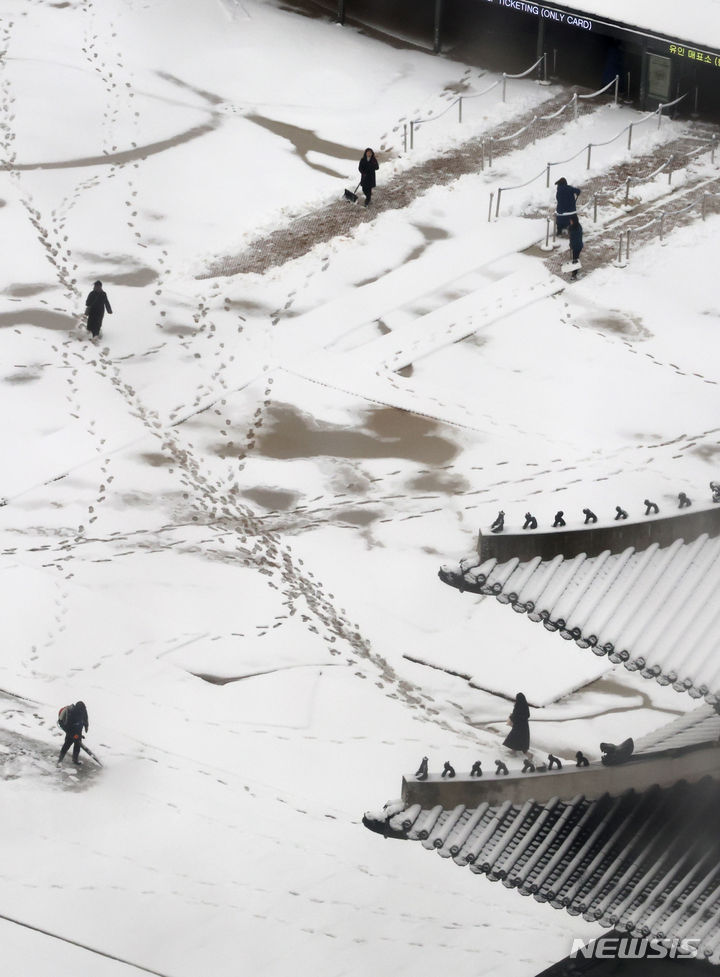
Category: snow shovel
[90,753]
[352,197]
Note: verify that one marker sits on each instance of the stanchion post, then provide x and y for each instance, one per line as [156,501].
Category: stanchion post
[627,191]
[659,113]
[670,162]
[619,257]
[589,149]
[627,90]
[482,155]
[545,74]
[490,207]
[627,244]
[504,85]
[490,160]
[547,233]
[547,176]
[497,207]
[460,109]
[575,106]
[404,136]
[695,102]
[617,88]
[630,135]
[412,136]
[595,196]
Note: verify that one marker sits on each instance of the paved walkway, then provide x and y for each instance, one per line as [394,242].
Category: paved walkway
[339,217]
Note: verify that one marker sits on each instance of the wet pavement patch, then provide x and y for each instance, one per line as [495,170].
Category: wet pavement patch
[155,459]
[272,499]
[22,377]
[36,317]
[439,482]
[383,432]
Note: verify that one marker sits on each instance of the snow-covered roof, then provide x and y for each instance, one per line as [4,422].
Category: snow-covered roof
[696,22]
[643,861]
[654,609]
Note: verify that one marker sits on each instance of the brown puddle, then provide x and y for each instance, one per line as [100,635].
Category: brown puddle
[382,432]
[622,323]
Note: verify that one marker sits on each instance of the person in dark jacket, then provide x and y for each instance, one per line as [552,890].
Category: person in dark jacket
[72,720]
[519,736]
[576,241]
[566,197]
[95,305]
[367,166]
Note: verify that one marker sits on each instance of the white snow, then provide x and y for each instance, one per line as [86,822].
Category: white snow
[223,534]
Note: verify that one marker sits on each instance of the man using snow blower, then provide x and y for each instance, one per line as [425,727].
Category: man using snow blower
[72,720]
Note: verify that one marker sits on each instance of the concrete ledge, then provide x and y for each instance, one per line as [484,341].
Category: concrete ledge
[593,540]
[639,773]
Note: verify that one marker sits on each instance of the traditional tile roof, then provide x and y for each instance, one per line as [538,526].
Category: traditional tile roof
[654,609]
[645,861]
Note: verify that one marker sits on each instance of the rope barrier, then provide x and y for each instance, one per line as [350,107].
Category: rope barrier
[514,135]
[600,91]
[525,73]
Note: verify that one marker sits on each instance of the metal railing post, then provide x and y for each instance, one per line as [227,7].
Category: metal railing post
[659,113]
[589,149]
[504,85]
[627,191]
[627,244]
[545,73]
[497,208]
[482,155]
[595,196]
[670,162]
[547,233]
[575,106]
[630,135]
[627,90]
[460,109]
[490,207]
[695,102]
[619,257]
[405,137]
[547,176]
[617,88]
[412,140]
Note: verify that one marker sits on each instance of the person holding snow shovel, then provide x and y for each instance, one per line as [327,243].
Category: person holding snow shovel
[367,167]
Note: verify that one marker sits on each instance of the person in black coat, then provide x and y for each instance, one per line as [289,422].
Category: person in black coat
[95,305]
[367,166]
[566,197]
[519,736]
[72,720]
[575,233]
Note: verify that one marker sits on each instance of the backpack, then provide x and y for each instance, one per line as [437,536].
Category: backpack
[64,717]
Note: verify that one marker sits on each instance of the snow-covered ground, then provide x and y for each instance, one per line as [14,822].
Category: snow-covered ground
[224,523]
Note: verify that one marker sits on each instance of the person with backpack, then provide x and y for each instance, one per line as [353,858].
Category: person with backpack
[72,720]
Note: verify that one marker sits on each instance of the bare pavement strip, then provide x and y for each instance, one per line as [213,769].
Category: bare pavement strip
[305,231]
